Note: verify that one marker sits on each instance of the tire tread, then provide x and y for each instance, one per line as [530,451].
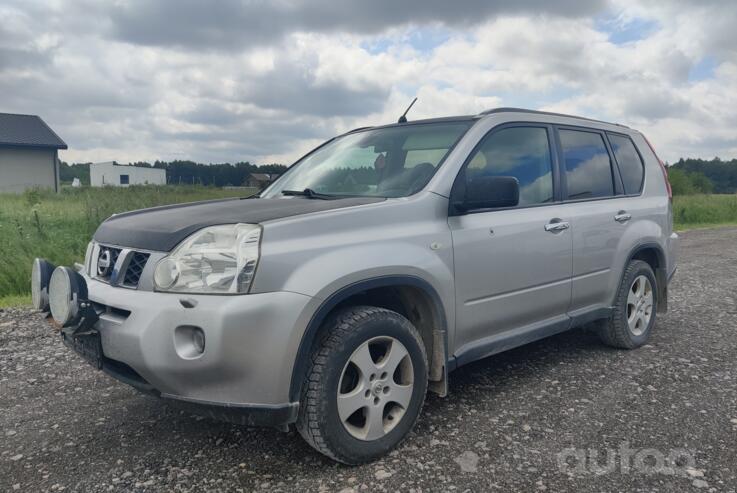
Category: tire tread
[338,329]
[614,331]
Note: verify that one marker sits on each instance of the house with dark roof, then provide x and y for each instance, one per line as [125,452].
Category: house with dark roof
[29,153]
[261,180]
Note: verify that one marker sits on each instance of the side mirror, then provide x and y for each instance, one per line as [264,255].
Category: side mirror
[490,192]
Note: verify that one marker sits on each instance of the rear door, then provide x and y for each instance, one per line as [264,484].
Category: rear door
[599,211]
[512,265]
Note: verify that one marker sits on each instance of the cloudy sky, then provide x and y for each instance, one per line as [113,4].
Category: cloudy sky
[266,80]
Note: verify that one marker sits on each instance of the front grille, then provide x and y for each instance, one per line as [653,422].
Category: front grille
[128,264]
[135,269]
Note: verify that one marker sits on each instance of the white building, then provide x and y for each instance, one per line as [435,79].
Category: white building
[123,175]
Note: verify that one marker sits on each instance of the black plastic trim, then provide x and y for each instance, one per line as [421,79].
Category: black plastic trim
[242,414]
[590,316]
[124,373]
[305,346]
[483,349]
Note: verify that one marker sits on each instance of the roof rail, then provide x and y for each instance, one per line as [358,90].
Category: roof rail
[523,110]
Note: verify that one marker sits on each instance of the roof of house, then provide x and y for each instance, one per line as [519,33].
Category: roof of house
[27,131]
[261,176]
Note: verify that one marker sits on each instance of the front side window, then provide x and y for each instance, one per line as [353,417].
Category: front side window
[629,161]
[520,152]
[394,161]
[587,165]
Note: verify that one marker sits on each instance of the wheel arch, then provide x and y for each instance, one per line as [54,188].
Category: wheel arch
[436,340]
[653,254]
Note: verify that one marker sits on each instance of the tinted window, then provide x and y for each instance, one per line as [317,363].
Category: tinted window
[587,165]
[124,179]
[521,152]
[630,164]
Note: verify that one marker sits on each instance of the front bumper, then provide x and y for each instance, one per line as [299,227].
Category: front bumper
[244,373]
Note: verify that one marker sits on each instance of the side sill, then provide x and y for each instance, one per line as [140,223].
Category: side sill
[500,343]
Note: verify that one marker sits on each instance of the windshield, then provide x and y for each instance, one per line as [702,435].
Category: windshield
[384,162]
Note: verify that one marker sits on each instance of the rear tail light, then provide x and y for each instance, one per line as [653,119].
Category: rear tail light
[662,167]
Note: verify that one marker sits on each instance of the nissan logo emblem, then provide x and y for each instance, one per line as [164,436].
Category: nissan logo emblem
[103,263]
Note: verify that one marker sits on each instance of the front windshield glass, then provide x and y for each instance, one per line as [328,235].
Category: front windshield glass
[384,162]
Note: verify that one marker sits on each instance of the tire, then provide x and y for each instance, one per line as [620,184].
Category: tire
[334,374]
[620,331]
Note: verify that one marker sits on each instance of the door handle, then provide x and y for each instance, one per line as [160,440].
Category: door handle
[553,227]
[622,217]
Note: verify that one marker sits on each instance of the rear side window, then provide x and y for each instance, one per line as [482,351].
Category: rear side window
[587,165]
[629,161]
[521,152]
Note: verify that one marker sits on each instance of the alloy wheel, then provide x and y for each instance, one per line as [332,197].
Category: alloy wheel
[639,305]
[375,388]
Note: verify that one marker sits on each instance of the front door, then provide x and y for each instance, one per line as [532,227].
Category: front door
[512,266]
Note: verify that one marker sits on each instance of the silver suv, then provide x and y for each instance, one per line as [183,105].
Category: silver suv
[378,263]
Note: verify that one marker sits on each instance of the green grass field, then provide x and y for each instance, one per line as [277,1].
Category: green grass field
[59,226]
[703,211]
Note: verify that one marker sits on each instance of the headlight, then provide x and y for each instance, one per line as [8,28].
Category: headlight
[214,260]
[88,258]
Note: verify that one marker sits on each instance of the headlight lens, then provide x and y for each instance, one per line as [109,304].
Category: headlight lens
[215,260]
[88,257]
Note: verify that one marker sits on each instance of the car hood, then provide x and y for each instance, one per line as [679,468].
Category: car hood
[163,228]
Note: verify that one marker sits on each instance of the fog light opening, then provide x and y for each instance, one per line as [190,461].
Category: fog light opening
[189,341]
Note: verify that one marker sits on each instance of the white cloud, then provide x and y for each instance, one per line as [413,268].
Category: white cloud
[266,81]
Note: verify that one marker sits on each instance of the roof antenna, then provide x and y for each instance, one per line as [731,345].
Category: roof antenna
[403,118]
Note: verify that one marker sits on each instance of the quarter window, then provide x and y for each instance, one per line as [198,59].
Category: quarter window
[521,152]
[587,164]
[629,161]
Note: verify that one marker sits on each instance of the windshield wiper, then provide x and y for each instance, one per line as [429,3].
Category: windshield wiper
[310,194]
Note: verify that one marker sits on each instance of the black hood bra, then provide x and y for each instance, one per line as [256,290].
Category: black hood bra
[163,228]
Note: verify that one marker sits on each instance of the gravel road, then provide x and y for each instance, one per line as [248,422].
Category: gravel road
[661,418]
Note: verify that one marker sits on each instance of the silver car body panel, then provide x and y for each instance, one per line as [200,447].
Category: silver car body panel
[234,369]
[501,279]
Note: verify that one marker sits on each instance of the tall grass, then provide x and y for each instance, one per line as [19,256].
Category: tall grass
[693,211]
[59,226]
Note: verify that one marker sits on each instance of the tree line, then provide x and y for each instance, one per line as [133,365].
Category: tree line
[690,176]
[687,176]
[184,172]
